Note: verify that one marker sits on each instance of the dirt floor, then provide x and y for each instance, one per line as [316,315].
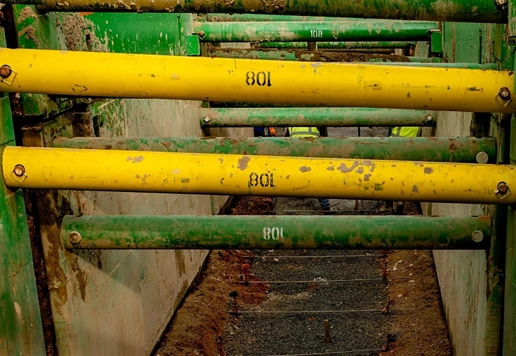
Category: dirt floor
[295,300]
[207,322]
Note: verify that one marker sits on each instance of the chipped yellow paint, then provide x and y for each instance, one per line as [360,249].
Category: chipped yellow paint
[243,80]
[113,170]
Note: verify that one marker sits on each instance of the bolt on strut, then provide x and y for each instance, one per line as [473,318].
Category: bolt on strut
[19,170]
[5,71]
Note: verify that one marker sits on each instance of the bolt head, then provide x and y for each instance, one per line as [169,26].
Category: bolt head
[477,236]
[19,170]
[74,237]
[429,119]
[5,71]
[504,93]
[482,157]
[207,120]
[502,187]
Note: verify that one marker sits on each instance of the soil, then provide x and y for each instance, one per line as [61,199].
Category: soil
[424,331]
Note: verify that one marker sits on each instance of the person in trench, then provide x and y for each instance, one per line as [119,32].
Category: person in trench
[304,132]
[397,207]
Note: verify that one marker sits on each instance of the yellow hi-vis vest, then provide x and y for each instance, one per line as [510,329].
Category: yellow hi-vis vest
[399,131]
[301,132]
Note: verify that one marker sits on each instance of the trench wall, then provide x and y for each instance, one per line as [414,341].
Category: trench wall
[464,278]
[110,302]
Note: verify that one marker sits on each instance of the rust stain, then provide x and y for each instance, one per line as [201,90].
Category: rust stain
[80,275]
[428,170]
[415,189]
[242,162]
[185,180]
[378,187]
[360,170]
[331,168]
[366,177]
[304,169]
[135,159]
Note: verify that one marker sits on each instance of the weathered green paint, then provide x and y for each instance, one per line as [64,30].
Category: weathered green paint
[292,116]
[316,56]
[393,148]
[336,45]
[38,31]
[509,313]
[425,59]
[21,331]
[509,325]
[436,42]
[301,232]
[495,283]
[263,17]
[358,30]
[484,11]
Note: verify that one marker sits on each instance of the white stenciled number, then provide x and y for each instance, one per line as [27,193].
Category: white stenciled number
[272,232]
[277,233]
[316,33]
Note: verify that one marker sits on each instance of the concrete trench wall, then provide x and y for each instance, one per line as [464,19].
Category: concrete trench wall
[463,275]
[114,302]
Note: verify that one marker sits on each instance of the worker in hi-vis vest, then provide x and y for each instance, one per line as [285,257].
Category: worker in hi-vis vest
[305,132]
[399,131]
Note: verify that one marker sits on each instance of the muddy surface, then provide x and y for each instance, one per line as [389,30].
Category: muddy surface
[291,294]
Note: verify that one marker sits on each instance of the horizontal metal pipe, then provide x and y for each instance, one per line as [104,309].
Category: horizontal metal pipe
[275,232]
[484,11]
[306,55]
[286,117]
[298,55]
[336,45]
[286,31]
[188,173]
[240,80]
[265,17]
[425,59]
[439,149]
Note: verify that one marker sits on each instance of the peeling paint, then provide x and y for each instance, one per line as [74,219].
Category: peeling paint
[344,169]
[135,159]
[242,162]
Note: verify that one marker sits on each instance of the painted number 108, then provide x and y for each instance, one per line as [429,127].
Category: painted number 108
[316,33]
[272,233]
[261,78]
